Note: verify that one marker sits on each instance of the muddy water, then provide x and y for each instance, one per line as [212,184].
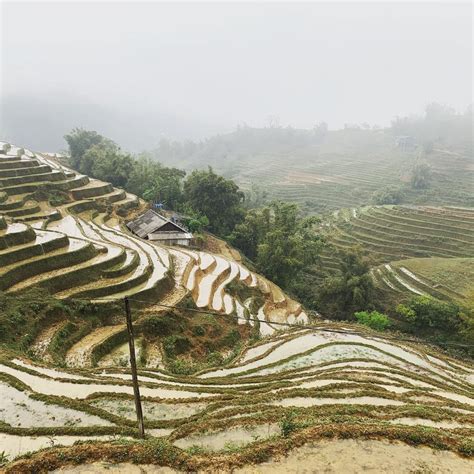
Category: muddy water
[292,347]
[309,402]
[218,298]
[257,351]
[14,446]
[120,355]
[192,278]
[449,425]
[207,282]
[79,390]
[206,260]
[19,410]
[360,456]
[265,328]
[41,344]
[456,397]
[235,436]
[327,354]
[151,411]
[56,374]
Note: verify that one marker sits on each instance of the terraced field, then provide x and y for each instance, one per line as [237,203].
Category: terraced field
[341,170]
[76,251]
[283,388]
[289,389]
[416,250]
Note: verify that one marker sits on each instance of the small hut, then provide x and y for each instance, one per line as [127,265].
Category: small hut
[156,227]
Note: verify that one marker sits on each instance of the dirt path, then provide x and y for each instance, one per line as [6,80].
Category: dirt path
[361,456]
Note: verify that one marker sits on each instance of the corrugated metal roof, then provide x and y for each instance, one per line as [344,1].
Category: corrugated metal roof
[150,222]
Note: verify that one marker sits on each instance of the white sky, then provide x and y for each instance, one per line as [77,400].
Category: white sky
[227,63]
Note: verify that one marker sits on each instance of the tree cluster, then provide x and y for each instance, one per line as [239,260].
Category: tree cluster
[279,241]
[209,199]
[424,315]
[351,290]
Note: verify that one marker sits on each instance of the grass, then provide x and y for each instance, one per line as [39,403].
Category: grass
[457,274]
[161,452]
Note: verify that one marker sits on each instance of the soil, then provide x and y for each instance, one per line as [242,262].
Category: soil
[359,456]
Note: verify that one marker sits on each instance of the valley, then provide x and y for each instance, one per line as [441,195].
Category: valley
[233,371]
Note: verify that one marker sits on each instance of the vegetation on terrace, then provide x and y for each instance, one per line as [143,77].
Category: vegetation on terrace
[324,170]
[205,377]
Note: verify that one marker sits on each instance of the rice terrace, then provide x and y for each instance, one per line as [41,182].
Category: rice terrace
[191,283]
[277,378]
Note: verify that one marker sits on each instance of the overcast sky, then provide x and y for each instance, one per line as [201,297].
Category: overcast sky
[223,64]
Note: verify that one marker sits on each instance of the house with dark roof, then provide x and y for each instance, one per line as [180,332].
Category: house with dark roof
[154,226]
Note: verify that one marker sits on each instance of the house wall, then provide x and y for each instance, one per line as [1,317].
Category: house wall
[169,226]
[175,242]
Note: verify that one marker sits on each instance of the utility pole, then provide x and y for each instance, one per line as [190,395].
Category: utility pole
[133,366]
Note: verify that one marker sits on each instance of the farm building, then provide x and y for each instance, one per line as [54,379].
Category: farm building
[154,226]
[406,143]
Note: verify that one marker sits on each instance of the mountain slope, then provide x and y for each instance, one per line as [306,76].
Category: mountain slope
[232,371]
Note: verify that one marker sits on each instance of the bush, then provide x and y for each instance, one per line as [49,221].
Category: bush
[388,195]
[160,325]
[232,337]
[198,331]
[174,345]
[421,176]
[215,358]
[425,311]
[288,424]
[374,320]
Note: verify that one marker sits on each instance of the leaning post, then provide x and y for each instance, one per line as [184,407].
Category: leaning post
[133,366]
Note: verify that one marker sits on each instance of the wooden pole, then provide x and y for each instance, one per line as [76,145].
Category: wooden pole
[133,366]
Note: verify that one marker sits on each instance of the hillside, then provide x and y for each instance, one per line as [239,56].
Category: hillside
[232,371]
[325,171]
[412,250]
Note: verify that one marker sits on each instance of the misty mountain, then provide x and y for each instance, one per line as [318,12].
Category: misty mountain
[41,122]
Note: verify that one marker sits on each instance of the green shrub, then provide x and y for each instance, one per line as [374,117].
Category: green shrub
[374,320]
[198,330]
[183,367]
[215,358]
[425,311]
[407,313]
[174,345]
[288,424]
[3,458]
[160,325]
[232,337]
[388,195]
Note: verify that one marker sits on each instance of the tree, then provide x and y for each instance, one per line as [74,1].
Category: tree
[279,240]
[155,182]
[217,198]
[79,141]
[426,312]
[250,233]
[350,291]
[388,195]
[421,176]
[196,223]
[109,164]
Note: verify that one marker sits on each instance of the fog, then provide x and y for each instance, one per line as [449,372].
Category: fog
[141,71]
